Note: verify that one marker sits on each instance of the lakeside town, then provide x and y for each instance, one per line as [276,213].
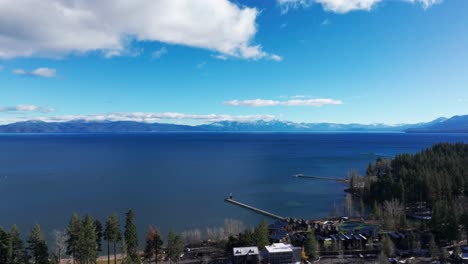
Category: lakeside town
[393,230]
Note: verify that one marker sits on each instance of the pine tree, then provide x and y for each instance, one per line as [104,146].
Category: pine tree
[112,234]
[74,233]
[157,244]
[149,248]
[311,246]
[99,234]
[175,246]
[16,252]
[261,235]
[131,237]
[433,249]
[88,245]
[37,246]
[4,241]
[125,258]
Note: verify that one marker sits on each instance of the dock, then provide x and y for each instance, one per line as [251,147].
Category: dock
[341,180]
[260,211]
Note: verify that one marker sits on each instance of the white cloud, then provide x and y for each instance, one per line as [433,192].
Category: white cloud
[287,4]
[44,72]
[293,102]
[426,3]
[158,53]
[276,57]
[39,72]
[220,57]
[344,6]
[149,117]
[61,27]
[25,108]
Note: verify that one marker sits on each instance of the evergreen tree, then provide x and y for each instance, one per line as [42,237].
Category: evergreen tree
[433,249]
[157,244]
[74,233]
[37,246]
[131,237]
[112,234]
[175,246]
[261,235]
[370,170]
[464,223]
[88,244]
[149,248]
[4,241]
[154,243]
[311,246]
[246,238]
[125,258]
[99,234]
[16,251]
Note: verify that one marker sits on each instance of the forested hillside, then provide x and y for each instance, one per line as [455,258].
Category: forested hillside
[437,173]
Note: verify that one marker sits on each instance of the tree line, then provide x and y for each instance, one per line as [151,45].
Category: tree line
[435,178]
[82,242]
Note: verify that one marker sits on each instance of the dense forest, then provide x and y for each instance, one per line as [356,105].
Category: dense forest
[437,173]
[435,179]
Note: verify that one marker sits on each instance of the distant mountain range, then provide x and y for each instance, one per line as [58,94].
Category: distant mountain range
[456,124]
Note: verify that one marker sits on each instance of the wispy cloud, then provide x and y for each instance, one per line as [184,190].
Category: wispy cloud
[275,58]
[149,117]
[25,108]
[39,72]
[425,3]
[344,6]
[201,65]
[159,53]
[317,102]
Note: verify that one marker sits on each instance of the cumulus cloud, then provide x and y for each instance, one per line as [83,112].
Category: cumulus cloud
[149,117]
[39,72]
[158,53]
[293,102]
[61,27]
[25,108]
[344,6]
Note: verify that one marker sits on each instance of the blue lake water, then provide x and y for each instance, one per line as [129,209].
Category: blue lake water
[179,180]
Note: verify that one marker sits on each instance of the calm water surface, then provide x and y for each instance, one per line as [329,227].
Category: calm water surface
[179,180]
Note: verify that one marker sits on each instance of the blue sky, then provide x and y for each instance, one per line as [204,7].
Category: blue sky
[367,61]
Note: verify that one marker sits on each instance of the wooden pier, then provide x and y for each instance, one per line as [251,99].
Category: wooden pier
[260,211]
[322,178]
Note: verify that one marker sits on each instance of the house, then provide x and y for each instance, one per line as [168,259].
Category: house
[280,253]
[245,255]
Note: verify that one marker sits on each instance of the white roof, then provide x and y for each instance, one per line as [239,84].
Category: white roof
[243,251]
[279,248]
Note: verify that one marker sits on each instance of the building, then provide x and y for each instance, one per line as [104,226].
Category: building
[245,255]
[280,253]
